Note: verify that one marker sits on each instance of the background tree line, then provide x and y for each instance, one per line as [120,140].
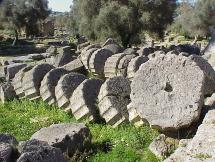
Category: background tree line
[128,20]
[23,15]
[125,20]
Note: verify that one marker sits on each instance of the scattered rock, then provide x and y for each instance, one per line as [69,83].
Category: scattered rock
[70,138]
[9,139]
[201,147]
[7,153]
[161,147]
[39,151]
[7,92]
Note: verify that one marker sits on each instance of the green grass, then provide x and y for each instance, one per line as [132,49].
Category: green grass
[123,144]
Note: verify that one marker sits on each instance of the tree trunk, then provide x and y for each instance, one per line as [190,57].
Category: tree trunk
[16,37]
[211,45]
[195,40]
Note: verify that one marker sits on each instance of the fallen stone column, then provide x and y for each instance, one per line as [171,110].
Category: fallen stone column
[113,100]
[168,91]
[65,88]
[48,84]
[32,80]
[83,103]
[18,81]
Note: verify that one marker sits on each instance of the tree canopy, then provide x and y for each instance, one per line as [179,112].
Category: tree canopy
[124,20]
[23,14]
[196,18]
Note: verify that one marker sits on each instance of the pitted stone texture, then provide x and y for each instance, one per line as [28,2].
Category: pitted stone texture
[130,51]
[145,51]
[7,92]
[48,84]
[9,139]
[134,117]
[113,100]
[85,56]
[114,48]
[90,47]
[83,101]
[209,74]
[98,59]
[111,65]
[210,101]
[113,109]
[32,80]
[134,65]
[116,86]
[201,147]
[160,147]
[66,55]
[168,92]
[17,81]
[11,70]
[156,54]
[65,88]
[71,138]
[6,153]
[75,66]
[40,151]
[123,65]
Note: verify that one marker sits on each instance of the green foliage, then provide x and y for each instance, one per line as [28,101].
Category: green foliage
[124,20]
[22,14]
[195,18]
[24,118]
[125,143]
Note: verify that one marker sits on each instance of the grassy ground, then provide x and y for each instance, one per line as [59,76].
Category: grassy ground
[123,144]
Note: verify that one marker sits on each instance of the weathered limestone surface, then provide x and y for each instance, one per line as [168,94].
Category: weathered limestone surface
[201,147]
[134,65]
[7,92]
[65,56]
[40,151]
[98,59]
[11,70]
[70,138]
[168,92]
[48,84]
[65,88]
[85,56]
[111,65]
[18,79]
[113,100]
[123,65]
[32,80]
[83,101]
